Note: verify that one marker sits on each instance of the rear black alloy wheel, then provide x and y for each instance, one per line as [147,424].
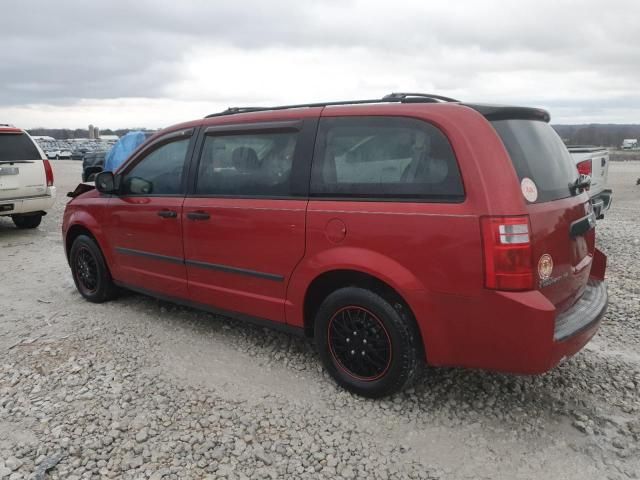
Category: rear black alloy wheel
[369,345]
[359,343]
[90,272]
[27,221]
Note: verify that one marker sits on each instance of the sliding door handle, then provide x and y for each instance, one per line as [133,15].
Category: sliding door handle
[167,214]
[198,215]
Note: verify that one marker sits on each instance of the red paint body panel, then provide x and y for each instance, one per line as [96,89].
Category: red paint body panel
[266,236]
[133,223]
[430,253]
[89,213]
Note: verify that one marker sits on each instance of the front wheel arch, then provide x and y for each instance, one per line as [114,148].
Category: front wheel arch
[103,287]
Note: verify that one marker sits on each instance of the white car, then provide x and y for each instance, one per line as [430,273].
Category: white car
[26,178]
[53,154]
[594,161]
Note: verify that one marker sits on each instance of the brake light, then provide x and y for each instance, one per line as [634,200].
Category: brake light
[48,172]
[507,253]
[584,167]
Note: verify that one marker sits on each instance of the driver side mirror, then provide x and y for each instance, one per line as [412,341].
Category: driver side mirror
[105,182]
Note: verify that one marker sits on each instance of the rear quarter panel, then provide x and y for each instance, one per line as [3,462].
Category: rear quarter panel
[431,253]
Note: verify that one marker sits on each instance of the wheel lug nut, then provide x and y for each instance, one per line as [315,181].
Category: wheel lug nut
[353,352]
[355,333]
[364,341]
[348,340]
[363,353]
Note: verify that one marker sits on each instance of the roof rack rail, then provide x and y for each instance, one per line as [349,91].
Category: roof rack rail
[403,96]
[399,97]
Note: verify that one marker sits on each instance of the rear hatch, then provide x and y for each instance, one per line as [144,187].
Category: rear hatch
[22,172]
[562,233]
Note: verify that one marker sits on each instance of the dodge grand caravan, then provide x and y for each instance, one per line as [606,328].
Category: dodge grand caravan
[396,231]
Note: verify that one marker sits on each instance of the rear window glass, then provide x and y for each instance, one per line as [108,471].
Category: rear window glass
[17,147]
[538,153]
[384,157]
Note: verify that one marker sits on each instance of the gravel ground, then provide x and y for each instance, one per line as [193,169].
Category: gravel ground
[139,388]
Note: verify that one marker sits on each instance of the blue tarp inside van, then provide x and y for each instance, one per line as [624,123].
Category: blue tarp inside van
[122,149]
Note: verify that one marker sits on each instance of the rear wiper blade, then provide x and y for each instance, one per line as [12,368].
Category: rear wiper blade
[581,183]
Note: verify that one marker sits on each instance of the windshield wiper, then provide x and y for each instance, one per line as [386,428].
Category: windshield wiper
[581,183]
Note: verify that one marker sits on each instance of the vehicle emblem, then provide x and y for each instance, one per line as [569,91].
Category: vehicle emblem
[545,266]
[529,189]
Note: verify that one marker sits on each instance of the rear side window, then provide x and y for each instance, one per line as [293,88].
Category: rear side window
[384,158]
[247,164]
[17,147]
[538,153]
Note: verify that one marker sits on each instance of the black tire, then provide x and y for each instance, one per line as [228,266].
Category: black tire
[27,221]
[90,272]
[376,374]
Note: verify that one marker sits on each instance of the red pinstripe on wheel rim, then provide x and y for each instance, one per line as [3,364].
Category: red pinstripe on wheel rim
[359,343]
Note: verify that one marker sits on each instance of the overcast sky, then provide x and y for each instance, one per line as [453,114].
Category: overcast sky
[152,63]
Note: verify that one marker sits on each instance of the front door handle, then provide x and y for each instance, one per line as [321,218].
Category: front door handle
[198,215]
[167,214]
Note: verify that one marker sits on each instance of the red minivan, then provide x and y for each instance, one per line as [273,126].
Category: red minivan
[396,231]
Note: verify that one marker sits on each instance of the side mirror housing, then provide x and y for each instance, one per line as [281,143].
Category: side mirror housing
[105,182]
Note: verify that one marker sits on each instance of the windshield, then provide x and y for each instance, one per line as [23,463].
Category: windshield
[538,153]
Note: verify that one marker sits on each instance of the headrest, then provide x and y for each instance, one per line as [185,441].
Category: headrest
[245,159]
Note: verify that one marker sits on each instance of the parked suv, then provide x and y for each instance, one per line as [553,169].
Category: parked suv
[26,178]
[394,231]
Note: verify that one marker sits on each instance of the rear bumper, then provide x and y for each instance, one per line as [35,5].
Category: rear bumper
[575,327]
[512,332]
[24,205]
[602,202]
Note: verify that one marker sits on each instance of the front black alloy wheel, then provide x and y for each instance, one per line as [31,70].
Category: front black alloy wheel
[369,345]
[90,272]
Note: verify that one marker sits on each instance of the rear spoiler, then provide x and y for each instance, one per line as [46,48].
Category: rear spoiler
[500,112]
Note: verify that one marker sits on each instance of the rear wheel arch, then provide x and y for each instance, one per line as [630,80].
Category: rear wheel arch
[328,282]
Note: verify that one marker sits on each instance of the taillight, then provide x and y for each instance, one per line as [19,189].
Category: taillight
[584,167]
[48,172]
[507,253]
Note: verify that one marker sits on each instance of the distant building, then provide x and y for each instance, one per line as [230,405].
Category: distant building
[91,132]
[96,132]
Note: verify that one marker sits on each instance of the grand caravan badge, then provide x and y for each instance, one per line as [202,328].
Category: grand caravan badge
[545,266]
